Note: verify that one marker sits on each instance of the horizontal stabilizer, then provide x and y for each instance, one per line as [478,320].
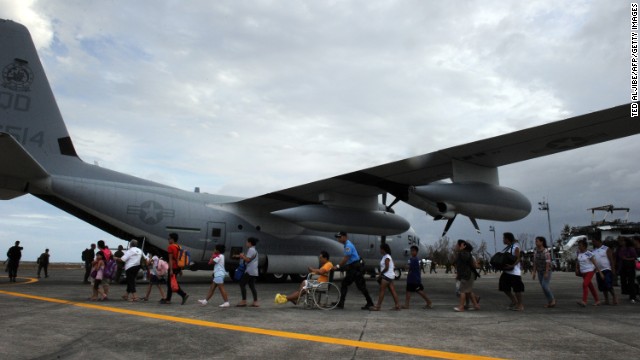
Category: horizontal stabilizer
[17,168]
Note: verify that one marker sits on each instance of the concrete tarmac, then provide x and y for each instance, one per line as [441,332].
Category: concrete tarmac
[52,319]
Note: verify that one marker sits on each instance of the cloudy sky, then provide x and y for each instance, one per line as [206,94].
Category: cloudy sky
[247,97]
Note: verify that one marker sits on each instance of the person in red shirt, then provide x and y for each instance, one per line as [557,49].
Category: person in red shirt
[173,251]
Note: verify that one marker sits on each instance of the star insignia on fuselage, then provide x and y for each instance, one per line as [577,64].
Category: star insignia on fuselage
[150,212]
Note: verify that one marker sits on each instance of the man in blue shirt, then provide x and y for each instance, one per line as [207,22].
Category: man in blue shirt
[354,272]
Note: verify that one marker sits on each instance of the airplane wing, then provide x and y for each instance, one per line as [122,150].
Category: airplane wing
[396,177]
[493,152]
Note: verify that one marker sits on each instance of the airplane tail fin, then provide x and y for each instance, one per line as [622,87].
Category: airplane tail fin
[28,114]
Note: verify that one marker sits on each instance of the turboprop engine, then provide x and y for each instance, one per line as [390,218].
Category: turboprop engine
[325,218]
[476,200]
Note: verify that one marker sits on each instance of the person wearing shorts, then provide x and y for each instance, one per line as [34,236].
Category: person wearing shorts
[604,260]
[154,278]
[387,275]
[466,274]
[218,277]
[323,271]
[414,281]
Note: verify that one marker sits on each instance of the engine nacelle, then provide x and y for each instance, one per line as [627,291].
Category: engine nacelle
[323,218]
[473,199]
[445,211]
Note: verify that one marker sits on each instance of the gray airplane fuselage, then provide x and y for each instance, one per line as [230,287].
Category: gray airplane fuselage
[129,207]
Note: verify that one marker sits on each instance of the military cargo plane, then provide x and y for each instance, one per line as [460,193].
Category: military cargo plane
[37,157]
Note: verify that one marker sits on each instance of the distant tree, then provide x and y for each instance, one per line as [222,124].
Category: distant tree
[481,250]
[526,240]
[442,250]
[566,232]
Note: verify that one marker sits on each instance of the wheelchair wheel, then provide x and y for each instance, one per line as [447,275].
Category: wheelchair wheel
[326,296]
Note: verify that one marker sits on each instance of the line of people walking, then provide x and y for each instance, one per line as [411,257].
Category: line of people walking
[600,263]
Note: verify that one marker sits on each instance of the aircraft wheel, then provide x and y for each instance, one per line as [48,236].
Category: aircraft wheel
[398,273]
[276,278]
[297,277]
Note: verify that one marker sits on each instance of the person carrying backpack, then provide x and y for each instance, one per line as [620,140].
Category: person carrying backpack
[157,270]
[173,251]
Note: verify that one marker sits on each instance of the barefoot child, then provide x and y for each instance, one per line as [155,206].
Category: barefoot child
[414,281]
[218,277]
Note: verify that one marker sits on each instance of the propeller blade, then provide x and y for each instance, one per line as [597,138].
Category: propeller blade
[475,224]
[446,227]
[389,208]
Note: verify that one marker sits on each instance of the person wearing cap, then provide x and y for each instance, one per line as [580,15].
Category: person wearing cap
[354,272]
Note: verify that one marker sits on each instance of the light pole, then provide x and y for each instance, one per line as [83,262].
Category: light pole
[493,230]
[544,206]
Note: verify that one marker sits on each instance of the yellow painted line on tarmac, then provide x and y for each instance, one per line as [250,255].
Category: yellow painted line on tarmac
[29,280]
[268,332]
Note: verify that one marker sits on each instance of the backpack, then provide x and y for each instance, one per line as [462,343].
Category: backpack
[110,269]
[184,258]
[162,268]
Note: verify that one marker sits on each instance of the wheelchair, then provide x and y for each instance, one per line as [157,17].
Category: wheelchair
[319,295]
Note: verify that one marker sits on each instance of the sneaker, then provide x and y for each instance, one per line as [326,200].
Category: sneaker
[225,305]
[367,307]
[203,302]
[184,299]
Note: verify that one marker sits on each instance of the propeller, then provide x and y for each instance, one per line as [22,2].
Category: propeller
[450,221]
[388,208]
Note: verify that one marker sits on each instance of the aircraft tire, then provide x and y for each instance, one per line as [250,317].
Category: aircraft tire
[276,278]
[296,278]
[398,273]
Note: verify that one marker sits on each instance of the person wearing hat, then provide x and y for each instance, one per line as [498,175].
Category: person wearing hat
[354,272]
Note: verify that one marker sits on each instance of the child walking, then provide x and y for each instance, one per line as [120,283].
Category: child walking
[386,278]
[157,269]
[414,281]
[97,273]
[218,277]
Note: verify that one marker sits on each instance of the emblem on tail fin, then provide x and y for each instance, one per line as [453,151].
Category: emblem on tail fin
[17,76]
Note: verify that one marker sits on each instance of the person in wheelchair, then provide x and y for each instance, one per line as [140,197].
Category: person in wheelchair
[323,272]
